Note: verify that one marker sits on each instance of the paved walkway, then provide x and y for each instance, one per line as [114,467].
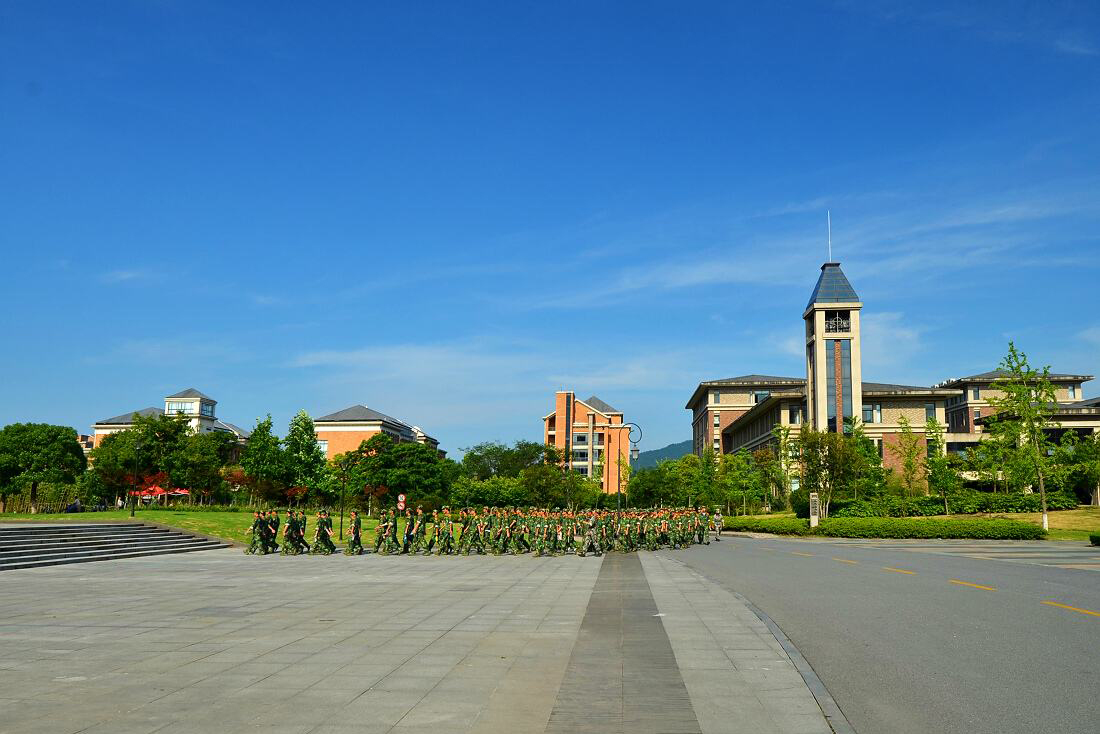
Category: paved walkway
[217,641]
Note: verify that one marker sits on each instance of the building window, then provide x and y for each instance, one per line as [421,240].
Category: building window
[582,470]
[868,414]
[599,439]
[977,393]
[1072,392]
[794,415]
[977,415]
[185,408]
[760,396]
[580,455]
[323,445]
[838,350]
[878,445]
[716,396]
[837,321]
[717,419]
[207,409]
[930,411]
[717,444]
[580,438]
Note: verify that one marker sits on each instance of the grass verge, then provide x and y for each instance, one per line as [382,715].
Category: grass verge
[231,526]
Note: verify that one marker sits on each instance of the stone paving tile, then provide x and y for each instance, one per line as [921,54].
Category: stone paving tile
[222,642]
[738,675]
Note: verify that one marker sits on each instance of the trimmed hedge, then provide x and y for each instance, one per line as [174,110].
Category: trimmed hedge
[777,525]
[960,503]
[1095,539]
[888,527]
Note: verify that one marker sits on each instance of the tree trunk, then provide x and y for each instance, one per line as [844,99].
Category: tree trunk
[1095,497]
[1042,485]
[3,504]
[945,510]
[34,498]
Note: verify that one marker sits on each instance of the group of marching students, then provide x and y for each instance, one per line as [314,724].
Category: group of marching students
[495,531]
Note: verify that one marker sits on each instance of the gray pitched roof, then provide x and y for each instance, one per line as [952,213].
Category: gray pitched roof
[891,387]
[832,286]
[755,379]
[235,429]
[600,405]
[996,374]
[357,413]
[127,418]
[192,393]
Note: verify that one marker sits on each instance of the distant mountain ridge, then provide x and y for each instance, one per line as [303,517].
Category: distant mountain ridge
[649,459]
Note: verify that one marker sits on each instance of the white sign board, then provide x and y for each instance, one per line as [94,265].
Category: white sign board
[815,509]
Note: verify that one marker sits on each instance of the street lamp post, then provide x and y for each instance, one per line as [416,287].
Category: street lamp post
[133,494]
[633,457]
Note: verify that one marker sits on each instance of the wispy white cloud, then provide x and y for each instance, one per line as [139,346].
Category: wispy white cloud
[124,276]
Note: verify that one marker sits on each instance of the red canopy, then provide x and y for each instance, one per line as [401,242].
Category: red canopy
[156,491]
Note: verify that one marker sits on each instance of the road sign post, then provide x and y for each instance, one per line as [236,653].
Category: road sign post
[815,510]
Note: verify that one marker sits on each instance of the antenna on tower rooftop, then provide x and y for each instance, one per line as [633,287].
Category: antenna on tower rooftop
[829,220]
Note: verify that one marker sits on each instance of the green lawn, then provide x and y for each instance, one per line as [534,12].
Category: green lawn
[228,525]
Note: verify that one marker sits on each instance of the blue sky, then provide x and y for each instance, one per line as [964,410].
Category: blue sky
[447,211]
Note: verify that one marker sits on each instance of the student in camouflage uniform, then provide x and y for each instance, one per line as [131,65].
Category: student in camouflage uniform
[354,544]
[259,528]
[446,535]
[381,530]
[420,529]
[322,536]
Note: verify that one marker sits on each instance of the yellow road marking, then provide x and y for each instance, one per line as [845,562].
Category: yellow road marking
[899,570]
[1072,609]
[796,553]
[976,586]
[844,560]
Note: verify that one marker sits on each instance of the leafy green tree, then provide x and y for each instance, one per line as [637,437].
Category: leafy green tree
[35,453]
[910,450]
[939,473]
[119,463]
[305,462]
[1087,459]
[829,465]
[492,459]
[264,462]
[160,440]
[200,461]
[1026,402]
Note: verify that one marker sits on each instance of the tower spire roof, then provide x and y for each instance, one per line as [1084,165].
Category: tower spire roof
[832,286]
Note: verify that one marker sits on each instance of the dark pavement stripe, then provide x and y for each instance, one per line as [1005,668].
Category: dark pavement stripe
[622,675]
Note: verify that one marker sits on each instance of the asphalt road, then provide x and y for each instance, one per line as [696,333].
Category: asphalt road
[910,641]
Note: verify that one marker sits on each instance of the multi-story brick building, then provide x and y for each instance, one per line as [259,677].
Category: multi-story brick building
[741,412]
[344,430]
[591,436]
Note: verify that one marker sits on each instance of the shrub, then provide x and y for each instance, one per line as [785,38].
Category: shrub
[889,527]
[777,525]
[960,503]
[1094,539]
[976,528]
[800,502]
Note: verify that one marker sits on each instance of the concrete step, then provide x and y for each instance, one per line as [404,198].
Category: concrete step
[66,527]
[51,545]
[76,548]
[10,541]
[108,556]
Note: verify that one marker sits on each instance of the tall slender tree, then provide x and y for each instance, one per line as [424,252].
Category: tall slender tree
[1025,404]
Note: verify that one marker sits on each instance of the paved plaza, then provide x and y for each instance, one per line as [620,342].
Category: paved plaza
[217,641]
